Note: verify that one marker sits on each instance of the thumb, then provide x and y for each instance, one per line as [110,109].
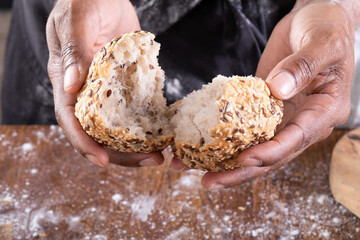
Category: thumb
[76,58]
[73,79]
[76,44]
[295,72]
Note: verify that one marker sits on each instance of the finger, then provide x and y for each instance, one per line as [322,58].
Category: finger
[214,181]
[296,71]
[135,159]
[311,123]
[64,111]
[250,162]
[82,142]
[177,165]
[72,79]
[285,143]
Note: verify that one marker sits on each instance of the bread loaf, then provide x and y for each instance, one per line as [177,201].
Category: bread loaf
[121,105]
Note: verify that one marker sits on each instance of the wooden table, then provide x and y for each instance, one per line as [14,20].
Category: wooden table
[48,191]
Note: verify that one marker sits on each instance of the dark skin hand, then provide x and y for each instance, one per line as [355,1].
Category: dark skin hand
[308,63]
[76,30]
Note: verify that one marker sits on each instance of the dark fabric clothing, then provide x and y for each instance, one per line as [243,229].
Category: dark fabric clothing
[217,37]
[200,39]
[26,88]
[6,4]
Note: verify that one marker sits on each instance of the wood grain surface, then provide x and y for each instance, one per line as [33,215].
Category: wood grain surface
[48,191]
[345,171]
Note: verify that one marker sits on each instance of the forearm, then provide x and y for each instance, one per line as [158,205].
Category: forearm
[350,7]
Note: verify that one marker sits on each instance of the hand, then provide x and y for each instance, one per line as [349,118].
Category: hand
[76,30]
[308,62]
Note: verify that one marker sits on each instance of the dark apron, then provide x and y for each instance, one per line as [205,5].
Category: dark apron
[199,40]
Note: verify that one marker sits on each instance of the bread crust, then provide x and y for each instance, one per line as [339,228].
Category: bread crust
[248,116]
[88,105]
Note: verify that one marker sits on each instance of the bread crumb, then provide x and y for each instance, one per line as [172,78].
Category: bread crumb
[217,230]
[241,208]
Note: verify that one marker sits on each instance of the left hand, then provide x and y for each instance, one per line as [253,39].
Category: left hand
[76,30]
[308,62]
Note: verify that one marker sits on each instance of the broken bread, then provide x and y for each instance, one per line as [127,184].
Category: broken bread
[214,124]
[121,103]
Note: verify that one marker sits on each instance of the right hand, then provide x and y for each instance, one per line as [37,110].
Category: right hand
[75,31]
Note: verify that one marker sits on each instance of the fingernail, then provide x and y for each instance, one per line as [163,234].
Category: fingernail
[148,162]
[94,160]
[251,162]
[284,83]
[72,74]
[216,186]
[180,169]
[177,166]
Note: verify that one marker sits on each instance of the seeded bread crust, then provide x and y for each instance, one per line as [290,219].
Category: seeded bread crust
[88,105]
[248,116]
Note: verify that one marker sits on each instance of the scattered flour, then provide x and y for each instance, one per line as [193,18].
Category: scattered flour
[321,199]
[143,206]
[99,237]
[75,219]
[26,147]
[116,198]
[256,232]
[54,128]
[179,233]
[226,218]
[217,216]
[216,230]
[7,198]
[294,232]
[325,234]
[191,179]
[336,220]
[37,215]
[173,87]
[40,136]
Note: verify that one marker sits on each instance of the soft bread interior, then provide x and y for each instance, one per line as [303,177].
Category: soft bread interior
[131,98]
[198,113]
